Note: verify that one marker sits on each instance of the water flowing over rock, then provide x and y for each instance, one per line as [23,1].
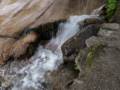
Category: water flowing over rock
[83,54]
[18,15]
[48,59]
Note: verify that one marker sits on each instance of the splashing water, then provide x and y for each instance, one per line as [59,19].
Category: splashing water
[49,58]
[33,75]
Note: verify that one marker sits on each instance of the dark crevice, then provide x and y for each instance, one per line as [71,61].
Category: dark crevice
[5,36]
[45,32]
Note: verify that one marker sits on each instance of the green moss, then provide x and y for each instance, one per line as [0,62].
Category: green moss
[92,53]
[77,61]
[111,8]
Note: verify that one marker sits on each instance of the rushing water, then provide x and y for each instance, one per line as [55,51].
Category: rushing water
[49,58]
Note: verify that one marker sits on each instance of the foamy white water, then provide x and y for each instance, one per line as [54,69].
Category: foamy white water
[49,58]
[68,30]
[33,75]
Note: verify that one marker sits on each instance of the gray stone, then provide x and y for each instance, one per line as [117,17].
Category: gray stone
[110,37]
[93,41]
[105,71]
[105,33]
[110,34]
[112,26]
[90,21]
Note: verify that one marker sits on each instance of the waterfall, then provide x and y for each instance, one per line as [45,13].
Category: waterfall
[49,58]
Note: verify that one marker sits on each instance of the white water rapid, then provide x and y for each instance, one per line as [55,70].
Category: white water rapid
[47,59]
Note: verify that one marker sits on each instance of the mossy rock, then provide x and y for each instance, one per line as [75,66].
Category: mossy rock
[92,52]
[86,57]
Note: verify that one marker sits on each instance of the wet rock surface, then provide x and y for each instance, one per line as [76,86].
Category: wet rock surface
[104,70]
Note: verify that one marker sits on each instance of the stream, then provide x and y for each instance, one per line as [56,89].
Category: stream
[47,58]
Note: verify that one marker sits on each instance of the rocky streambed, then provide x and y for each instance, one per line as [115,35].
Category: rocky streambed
[91,61]
[14,70]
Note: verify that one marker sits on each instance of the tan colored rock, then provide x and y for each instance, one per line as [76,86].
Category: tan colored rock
[5,48]
[15,48]
[19,47]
